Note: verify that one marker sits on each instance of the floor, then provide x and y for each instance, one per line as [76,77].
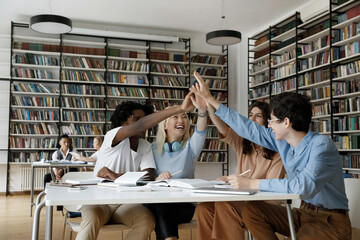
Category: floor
[16,223]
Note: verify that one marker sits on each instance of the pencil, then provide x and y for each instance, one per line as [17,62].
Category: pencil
[244,172]
[173,174]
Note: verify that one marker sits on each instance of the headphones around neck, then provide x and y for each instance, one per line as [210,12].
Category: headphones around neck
[173,147]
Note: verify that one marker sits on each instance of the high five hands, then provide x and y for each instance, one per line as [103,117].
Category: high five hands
[201,89]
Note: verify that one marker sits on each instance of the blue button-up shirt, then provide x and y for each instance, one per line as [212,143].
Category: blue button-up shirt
[314,167]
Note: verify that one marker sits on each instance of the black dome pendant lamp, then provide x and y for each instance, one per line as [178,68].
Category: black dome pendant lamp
[50,23]
[223,37]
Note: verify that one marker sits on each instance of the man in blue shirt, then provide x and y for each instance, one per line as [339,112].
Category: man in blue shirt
[311,161]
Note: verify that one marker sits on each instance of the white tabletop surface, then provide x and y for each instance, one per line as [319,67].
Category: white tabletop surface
[72,164]
[106,195]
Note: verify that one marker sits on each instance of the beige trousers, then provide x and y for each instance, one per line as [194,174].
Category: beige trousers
[136,216]
[220,220]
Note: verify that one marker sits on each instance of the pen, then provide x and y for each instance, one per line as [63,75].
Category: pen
[244,172]
[173,174]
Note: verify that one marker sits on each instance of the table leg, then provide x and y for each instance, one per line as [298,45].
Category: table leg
[32,191]
[291,220]
[36,220]
[49,221]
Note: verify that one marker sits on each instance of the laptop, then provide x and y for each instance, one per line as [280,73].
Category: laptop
[235,191]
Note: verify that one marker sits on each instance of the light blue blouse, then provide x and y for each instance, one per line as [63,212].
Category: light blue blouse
[180,160]
[314,167]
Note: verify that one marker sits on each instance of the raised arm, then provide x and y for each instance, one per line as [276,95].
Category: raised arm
[151,120]
[202,89]
[200,104]
[221,126]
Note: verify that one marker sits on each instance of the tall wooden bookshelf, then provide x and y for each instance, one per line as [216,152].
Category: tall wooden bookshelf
[213,67]
[71,84]
[326,69]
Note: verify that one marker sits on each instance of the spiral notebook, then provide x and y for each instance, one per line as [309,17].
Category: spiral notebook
[235,191]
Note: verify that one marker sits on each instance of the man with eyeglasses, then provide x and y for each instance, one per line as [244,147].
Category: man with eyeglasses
[311,161]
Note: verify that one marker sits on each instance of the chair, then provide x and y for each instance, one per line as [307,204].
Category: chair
[190,226]
[73,226]
[352,190]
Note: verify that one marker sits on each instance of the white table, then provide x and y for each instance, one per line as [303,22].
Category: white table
[106,195]
[50,166]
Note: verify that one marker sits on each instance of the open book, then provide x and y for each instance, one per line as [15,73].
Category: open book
[186,183]
[127,179]
[91,181]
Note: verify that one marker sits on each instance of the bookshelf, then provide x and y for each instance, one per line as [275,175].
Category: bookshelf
[214,70]
[326,69]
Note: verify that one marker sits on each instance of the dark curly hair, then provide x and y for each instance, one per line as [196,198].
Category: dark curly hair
[125,110]
[248,145]
[296,107]
[65,136]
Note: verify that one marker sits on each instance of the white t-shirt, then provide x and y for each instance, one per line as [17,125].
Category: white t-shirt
[121,158]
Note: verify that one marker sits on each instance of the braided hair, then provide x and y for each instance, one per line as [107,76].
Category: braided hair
[125,110]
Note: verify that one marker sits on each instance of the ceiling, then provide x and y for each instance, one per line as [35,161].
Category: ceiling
[247,16]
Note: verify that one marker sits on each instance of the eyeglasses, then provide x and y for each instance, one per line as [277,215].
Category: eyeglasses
[272,120]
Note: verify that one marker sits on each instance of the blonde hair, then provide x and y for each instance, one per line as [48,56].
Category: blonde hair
[100,139]
[161,135]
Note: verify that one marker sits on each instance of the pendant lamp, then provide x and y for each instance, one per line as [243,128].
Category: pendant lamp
[50,24]
[223,37]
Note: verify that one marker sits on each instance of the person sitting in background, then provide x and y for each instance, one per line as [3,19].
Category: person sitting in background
[97,145]
[124,149]
[221,220]
[62,153]
[175,151]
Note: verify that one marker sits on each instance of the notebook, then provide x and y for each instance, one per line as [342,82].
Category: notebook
[235,191]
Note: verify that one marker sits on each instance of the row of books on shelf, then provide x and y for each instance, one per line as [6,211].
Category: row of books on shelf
[317,93]
[35,101]
[127,92]
[165,56]
[167,81]
[133,66]
[167,93]
[346,123]
[321,126]
[282,86]
[127,78]
[113,103]
[33,128]
[214,144]
[86,76]
[260,65]
[314,77]
[315,45]
[212,132]
[286,56]
[345,51]
[321,109]
[82,89]
[125,53]
[314,61]
[213,157]
[349,14]
[162,104]
[216,84]
[86,129]
[347,32]
[350,86]
[83,50]
[168,68]
[346,105]
[82,102]
[259,92]
[259,79]
[347,142]
[83,142]
[351,160]
[18,142]
[213,72]
[82,62]
[221,60]
[36,46]
[27,114]
[32,87]
[29,157]
[88,116]
[31,73]
[29,58]
[347,69]
[283,71]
